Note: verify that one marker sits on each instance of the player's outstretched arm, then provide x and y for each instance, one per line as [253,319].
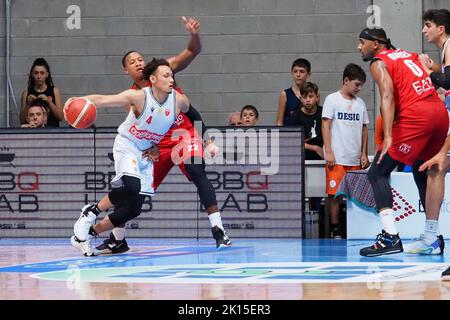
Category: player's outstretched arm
[185,57]
[123,99]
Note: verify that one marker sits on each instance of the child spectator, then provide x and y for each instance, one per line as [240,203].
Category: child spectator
[289,100]
[310,117]
[344,129]
[249,116]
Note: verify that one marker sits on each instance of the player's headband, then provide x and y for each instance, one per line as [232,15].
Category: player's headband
[366,35]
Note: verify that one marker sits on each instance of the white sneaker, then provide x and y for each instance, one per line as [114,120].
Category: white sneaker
[84,223]
[420,246]
[84,246]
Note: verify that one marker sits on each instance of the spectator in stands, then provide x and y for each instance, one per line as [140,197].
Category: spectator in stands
[249,116]
[40,85]
[234,119]
[310,117]
[344,129]
[289,100]
[37,113]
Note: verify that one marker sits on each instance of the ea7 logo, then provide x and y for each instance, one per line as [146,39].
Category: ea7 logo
[404,148]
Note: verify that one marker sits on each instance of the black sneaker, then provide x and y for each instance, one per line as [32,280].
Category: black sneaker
[336,233]
[113,246]
[385,243]
[221,237]
[446,275]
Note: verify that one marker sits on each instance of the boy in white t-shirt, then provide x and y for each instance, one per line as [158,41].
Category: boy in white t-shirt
[344,130]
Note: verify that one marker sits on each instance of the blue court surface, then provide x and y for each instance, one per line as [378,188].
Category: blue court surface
[248,261]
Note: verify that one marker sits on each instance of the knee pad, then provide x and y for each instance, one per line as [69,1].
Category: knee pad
[131,184]
[116,196]
[120,216]
[135,205]
[130,209]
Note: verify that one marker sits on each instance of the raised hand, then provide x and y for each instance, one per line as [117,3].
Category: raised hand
[192,25]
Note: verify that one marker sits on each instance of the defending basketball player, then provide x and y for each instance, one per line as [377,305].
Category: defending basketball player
[405,90]
[152,114]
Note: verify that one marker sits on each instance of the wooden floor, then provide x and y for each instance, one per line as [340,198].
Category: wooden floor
[194,270]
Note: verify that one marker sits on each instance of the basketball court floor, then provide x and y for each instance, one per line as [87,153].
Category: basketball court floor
[187,269]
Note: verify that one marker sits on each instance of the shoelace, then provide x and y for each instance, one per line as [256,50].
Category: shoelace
[379,238]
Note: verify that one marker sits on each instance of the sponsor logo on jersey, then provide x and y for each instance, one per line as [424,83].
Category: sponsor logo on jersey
[404,148]
[179,121]
[145,134]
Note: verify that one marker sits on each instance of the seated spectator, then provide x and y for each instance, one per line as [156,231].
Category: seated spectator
[234,119]
[249,116]
[40,85]
[289,100]
[310,117]
[37,113]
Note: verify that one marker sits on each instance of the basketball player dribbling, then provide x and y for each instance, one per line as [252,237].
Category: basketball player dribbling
[153,111]
[189,145]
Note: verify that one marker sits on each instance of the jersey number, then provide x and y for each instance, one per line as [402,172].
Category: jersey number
[192,146]
[414,67]
[149,120]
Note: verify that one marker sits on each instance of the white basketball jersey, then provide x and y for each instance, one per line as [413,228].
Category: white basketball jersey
[152,124]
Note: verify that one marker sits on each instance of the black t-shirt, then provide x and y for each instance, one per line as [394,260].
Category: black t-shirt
[293,105]
[313,131]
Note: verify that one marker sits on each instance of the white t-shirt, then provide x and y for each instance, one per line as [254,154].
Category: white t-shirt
[347,119]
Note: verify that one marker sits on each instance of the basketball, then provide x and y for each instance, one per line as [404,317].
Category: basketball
[80,113]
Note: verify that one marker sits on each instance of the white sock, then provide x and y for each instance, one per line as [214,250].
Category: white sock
[215,219]
[119,233]
[431,230]
[388,221]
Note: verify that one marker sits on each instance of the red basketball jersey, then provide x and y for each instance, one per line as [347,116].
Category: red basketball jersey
[411,82]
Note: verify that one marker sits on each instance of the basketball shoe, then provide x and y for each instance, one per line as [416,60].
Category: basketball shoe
[336,233]
[84,246]
[84,222]
[113,246]
[221,237]
[446,275]
[421,246]
[385,243]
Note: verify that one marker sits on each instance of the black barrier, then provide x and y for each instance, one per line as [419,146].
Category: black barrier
[47,175]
